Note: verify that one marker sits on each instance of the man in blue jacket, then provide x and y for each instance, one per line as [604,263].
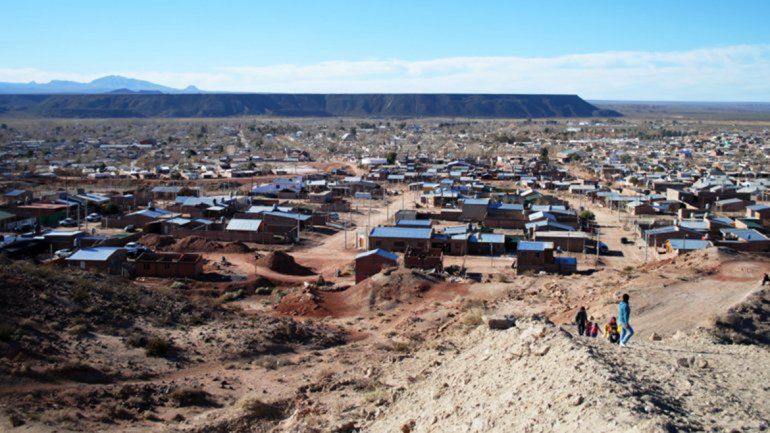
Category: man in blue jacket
[624,314]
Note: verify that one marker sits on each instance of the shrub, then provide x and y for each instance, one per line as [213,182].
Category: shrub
[277,296]
[184,397]
[78,329]
[6,331]
[157,347]
[269,362]
[253,407]
[230,296]
[401,346]
[473,318]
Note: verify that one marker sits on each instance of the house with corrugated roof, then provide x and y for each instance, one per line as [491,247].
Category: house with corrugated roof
[103,259]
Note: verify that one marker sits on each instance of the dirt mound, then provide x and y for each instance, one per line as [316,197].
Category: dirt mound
[283,263]
[747,322]
[305,302]
[235,247]
[196,244]
[157,242]
[400,285]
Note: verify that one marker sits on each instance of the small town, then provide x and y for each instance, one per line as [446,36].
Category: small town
[565,200]
[377,217]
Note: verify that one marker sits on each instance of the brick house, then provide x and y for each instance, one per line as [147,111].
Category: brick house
[372,262]
[168,265]
[102,259]
[400,238]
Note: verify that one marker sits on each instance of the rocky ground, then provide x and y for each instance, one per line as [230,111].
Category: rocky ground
[404,351]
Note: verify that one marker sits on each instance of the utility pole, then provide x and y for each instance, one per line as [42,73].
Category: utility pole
[596,227]
[646,247]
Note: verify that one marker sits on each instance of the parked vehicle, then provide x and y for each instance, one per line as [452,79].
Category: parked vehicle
[93,217]
[68,222]
[134,249]
[24,228]
[63,253]
[603,248]
[130,228]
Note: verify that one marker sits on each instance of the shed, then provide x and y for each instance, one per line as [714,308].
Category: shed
[372,262]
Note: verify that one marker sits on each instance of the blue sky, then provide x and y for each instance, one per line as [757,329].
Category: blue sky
[693,50]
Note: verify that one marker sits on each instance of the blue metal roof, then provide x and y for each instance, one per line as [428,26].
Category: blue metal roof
[694,225]
[94,254]
[535,246]
[151,213]
[380,252]
[290,215]
[401,232]
[453,230]
[689,244]
[506,206]
[661,230]
[487,238]
[414,223]
[476,201]
[745,234]
[261,209]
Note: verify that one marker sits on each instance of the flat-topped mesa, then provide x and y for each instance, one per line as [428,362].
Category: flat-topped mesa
[118,105]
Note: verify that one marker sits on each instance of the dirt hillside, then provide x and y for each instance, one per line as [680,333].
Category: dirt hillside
[536,377]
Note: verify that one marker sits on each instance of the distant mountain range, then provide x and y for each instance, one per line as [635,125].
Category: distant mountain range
[127,102]
[108,84]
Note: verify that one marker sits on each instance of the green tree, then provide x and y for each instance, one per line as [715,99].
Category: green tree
[544,155]
[391,157]
[587,215]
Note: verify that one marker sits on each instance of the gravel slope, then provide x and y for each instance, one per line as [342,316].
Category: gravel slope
[537,377]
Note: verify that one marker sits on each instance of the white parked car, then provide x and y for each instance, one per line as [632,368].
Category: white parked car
[135,248]
[68,222]
[93,217]
[62,254]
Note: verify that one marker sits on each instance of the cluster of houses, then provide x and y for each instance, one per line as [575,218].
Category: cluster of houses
[477,207]
[679,215]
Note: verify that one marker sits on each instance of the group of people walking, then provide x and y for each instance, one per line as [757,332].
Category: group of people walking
[617,330]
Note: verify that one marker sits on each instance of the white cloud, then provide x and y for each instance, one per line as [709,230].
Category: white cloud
[732,73]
